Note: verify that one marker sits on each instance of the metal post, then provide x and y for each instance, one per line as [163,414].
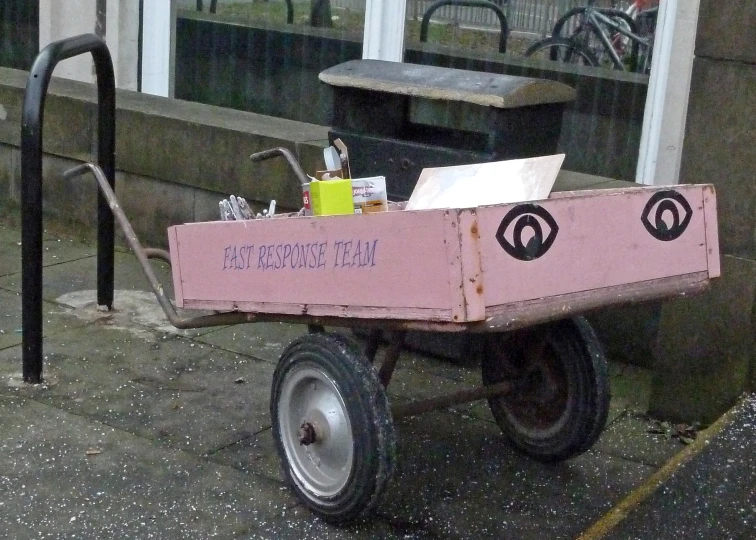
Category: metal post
[31,187]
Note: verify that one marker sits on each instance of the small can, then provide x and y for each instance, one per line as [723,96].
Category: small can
[306,199]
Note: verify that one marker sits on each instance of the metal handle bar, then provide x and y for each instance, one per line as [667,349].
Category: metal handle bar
[142,254]
[468,3]
[281,151]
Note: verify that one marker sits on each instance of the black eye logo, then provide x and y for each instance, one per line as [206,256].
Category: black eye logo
[522,246]
[667,224]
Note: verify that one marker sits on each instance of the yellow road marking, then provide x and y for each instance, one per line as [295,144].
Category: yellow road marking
[614,516]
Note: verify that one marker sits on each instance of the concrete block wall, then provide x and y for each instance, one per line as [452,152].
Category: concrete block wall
[715,358]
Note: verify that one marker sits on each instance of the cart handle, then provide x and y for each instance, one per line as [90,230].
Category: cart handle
[281,151]
[143,254]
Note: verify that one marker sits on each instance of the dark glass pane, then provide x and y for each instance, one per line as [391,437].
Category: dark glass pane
[19,33]
[248,56]
[601,128]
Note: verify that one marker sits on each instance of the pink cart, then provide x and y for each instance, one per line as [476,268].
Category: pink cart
[519,273]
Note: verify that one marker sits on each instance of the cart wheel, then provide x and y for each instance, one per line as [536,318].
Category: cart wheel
[332,426]
[560,400]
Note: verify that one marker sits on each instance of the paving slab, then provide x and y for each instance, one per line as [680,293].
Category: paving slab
[630,437]
[132,310]
[265,341]
[166,389]
[56,319]
[254,454]
[54,251]
[64,476]
[711,495]
[458,478]
[127,488]
[81,275]
[10,319]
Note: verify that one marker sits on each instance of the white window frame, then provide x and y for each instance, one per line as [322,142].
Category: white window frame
[158,47]
[384,30]
[666,109]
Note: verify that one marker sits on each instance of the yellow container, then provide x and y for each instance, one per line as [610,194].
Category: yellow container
[331,197]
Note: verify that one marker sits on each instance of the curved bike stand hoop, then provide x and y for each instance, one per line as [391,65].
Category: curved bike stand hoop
[290,10]
[468,3]
[31,187]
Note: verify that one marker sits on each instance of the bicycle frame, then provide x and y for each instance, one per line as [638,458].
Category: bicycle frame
[595,19]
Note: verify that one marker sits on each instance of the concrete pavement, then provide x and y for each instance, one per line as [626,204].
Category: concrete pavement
[144,431]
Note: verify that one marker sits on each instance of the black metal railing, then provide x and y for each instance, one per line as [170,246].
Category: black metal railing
[31,187]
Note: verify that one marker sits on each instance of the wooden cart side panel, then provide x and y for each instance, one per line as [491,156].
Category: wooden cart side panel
[521,314]
[326,310]
[472,274]
[712,231]
[589,242]
[388,260]
[173,245]
[454,264]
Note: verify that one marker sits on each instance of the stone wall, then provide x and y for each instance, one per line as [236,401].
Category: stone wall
[706,346]
[175,159]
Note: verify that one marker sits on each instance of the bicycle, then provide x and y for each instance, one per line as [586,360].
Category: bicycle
[600,38]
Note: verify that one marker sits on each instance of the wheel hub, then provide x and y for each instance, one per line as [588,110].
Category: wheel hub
[539,384]
[316,431]
[307,434]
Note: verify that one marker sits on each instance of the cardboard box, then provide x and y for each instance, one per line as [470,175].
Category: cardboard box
[369,195]
[331,197]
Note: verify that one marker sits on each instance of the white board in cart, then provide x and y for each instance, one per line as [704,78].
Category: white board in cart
[483,184]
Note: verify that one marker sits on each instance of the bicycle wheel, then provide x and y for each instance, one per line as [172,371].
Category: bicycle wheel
[576,26]
[568,23]
[561,50]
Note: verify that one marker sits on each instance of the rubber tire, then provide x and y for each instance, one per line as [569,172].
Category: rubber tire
[579,355]
[553,43]
[369,413]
